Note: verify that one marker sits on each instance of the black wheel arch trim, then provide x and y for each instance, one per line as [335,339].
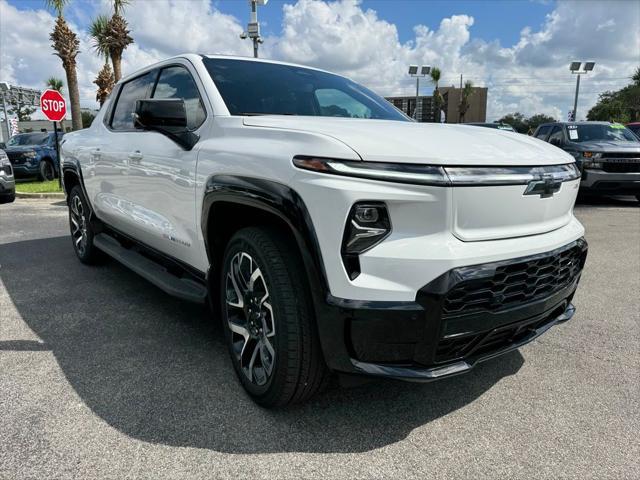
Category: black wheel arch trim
[74,168]
[285,203]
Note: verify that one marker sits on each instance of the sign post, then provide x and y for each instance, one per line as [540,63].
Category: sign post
[54,107]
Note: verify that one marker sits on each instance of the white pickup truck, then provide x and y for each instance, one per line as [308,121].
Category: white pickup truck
[328,231]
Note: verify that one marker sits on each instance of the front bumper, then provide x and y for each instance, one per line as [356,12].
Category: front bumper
[25,170]
[598,181]
[445,332]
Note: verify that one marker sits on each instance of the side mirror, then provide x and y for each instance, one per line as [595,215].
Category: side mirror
[555,141]
[166,116]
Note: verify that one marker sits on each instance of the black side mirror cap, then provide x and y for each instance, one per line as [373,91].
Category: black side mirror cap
[166,116]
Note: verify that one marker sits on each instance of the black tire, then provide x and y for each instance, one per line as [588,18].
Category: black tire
[81,228]
[298,370]
[638,197]
[46,170]
[7,198]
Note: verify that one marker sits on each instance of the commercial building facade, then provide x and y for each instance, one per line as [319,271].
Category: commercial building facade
[426,111]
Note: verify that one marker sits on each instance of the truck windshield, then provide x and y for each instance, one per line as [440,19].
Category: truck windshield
[28,139]
[600,132]
[258,88]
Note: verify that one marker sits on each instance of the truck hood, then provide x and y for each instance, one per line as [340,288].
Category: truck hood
[607,146]
[22,148]
[429,143]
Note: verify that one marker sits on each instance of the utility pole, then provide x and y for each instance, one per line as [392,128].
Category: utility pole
[253,27]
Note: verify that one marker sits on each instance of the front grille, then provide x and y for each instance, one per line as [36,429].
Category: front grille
[621,167]
[516,283]
[16,158]
[621,155]
[478,345]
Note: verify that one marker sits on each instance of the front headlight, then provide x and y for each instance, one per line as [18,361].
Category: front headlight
[30,155]
[592,155]
[5,165]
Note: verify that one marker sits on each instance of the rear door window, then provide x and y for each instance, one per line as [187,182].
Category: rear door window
[136,89]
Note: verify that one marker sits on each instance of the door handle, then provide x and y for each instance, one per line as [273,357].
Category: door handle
[136,156]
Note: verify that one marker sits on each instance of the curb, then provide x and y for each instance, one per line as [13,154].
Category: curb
[52,195]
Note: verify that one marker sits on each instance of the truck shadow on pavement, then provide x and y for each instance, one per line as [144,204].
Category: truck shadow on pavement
[156,368]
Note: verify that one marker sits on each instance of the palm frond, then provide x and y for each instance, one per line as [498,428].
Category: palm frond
[118,5]
[57,5]
[55,83]
[99,31]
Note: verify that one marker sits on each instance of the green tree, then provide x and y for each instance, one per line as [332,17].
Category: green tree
[465,95]
[517,121]
[105,80]
[117,37]
[438,101]
[87,118]
[55,84]
[538,119]
[620,106]
[67,46]
[20,110]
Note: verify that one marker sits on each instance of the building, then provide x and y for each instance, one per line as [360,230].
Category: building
[451,95]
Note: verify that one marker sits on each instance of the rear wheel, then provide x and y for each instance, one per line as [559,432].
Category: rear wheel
[269,320]
[82,232]
[46,171]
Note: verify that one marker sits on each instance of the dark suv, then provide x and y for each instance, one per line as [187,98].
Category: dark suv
[608,154]
[34,155]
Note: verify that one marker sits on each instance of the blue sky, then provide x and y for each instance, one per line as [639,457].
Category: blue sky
[519,49]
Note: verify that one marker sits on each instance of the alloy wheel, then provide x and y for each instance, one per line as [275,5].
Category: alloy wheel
[250,319]
[78,225]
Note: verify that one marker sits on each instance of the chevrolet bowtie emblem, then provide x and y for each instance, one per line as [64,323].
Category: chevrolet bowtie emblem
[545,186]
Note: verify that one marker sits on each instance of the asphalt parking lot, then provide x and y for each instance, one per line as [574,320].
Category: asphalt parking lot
[104,376]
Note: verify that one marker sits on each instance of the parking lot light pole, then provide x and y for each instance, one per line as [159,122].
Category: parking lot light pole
[576,68]
[253,27]
[413,71]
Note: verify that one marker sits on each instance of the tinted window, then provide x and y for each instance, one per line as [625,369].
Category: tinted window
[28,139]
[336,103]
[542,132]
[133,90]
[176,82]
[249,87]
[600,132]
[556,136]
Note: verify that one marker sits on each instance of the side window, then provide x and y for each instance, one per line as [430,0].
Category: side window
[542,132]
[176,82]
[133,90]
[556,137]
[336,103]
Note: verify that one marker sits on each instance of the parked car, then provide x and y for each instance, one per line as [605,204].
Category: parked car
[7,182]
[369,244]
[608,154]
[497,125]
[34,155]
[635,128]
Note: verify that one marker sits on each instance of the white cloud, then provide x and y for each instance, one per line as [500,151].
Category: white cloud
[530,76]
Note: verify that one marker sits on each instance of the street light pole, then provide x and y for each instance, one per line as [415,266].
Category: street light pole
[579,68]
[4,87]
[413,71]
[575,100]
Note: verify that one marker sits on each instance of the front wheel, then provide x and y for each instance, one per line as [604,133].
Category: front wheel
[269,320]
[46,171]
[81,228]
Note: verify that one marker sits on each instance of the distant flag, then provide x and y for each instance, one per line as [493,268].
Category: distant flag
[13,123]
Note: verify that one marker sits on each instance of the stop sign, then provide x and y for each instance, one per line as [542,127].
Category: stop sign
[53,105]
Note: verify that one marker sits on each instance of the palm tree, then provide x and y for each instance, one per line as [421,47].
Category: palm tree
[117,36]
[466,93]
[67,47]
[105,80]
[438,101]
[55,84]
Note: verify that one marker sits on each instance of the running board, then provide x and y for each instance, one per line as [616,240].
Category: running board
[155,273]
